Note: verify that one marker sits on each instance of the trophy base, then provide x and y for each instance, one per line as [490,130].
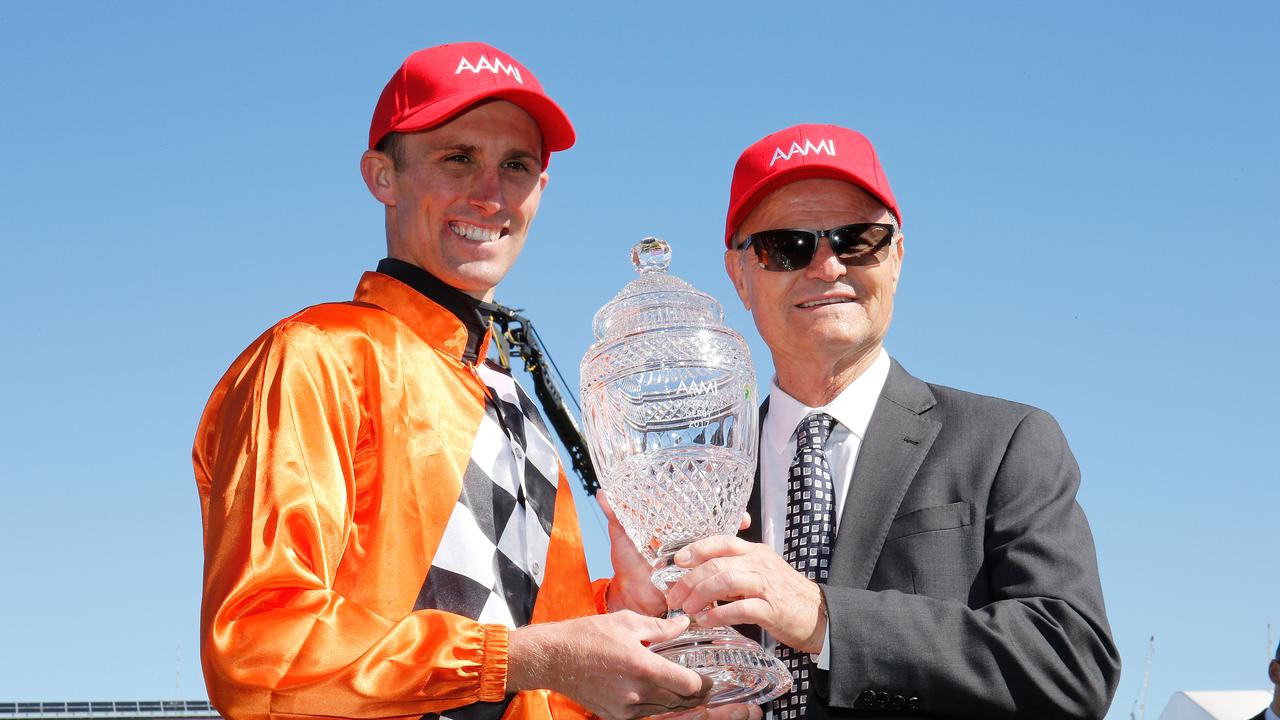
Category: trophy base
[741,670]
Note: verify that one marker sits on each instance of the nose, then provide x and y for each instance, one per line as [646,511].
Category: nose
[825,266]
[486,192]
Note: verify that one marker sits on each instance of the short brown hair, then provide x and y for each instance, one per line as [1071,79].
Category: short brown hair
[392,145]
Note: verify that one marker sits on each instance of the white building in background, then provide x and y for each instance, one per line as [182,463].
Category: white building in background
[1215,705]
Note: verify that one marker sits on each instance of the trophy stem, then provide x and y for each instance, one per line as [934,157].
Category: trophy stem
[665,571]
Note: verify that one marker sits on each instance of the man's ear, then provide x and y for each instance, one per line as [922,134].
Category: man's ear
[379,176]
[733,260]
[898,250]
[1273,671]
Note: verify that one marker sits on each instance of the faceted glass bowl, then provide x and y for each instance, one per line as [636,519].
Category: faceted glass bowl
[671,419]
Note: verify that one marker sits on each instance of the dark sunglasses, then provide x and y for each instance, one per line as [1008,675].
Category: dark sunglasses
[790,249]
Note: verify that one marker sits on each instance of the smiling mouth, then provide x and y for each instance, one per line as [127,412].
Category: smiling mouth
[475,232]
[824,301]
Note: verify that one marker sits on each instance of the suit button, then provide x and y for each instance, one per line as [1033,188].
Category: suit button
[867,697]
[896,702]
[913,703]
[882,699]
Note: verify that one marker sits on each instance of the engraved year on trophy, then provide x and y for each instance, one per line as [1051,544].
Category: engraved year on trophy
[669,407]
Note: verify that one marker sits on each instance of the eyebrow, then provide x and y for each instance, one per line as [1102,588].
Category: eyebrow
[523,155]
[461,147]
[474,149]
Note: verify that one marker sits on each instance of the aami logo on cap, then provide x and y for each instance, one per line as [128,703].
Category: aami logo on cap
[827,146]
[497,66]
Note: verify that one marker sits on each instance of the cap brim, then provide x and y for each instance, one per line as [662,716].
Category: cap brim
[759,191]
[557,131]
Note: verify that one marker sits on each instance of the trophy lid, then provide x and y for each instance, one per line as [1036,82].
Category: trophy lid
[655,299]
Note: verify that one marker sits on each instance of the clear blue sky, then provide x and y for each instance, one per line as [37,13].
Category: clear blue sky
[1090,194]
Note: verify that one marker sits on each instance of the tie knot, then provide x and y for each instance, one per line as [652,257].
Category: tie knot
[814,430]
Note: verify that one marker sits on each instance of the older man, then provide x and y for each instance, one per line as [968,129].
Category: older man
[919,550]
[388,529]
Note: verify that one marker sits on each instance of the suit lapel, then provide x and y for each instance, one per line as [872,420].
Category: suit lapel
[898,438]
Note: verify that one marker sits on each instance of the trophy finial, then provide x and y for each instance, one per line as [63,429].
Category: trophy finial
[651,255]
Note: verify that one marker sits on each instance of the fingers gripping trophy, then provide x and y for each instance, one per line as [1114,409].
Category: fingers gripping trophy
[669,405]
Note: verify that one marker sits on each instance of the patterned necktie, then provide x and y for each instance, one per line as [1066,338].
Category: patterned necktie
[807,546]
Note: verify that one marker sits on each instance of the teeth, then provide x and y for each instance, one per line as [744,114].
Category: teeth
[828,301]
[472,232]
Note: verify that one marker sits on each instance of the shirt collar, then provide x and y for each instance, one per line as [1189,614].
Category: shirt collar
[1271,714]
[457,327]
[474,315]
[852,408]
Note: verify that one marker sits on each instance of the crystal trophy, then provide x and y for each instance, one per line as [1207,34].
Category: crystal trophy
[669,408]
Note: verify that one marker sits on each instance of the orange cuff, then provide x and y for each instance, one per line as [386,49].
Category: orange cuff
[495,657]
[600,589]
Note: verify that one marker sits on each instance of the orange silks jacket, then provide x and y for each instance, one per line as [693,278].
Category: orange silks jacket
[328,461]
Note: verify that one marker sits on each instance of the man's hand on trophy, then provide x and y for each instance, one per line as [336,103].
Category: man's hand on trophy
[603,664]
[755,585]
[630,588]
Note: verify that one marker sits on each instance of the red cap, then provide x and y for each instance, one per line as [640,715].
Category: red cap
[437,83]
[799,153]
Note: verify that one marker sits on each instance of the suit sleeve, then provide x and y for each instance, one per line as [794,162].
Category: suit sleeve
[1041,648]
[277,473]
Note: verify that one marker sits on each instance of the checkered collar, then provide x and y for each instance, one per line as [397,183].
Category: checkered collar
[449,321]
[852,408]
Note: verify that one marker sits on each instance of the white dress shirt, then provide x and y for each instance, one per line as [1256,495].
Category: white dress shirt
[1271,714]
[852,410]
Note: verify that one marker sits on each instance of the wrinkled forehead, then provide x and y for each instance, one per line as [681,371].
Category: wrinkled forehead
[815,203]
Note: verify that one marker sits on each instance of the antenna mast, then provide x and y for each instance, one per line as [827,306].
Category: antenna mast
[1140,705]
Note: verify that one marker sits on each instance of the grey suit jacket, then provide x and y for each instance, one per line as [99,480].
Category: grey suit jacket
[964,581]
